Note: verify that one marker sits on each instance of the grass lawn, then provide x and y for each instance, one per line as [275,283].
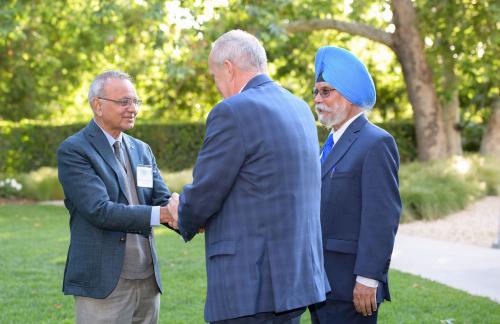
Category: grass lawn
[34,241]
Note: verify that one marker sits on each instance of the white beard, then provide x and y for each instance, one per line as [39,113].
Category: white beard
[332,116]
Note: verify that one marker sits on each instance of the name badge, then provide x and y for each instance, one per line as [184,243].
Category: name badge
[145,176]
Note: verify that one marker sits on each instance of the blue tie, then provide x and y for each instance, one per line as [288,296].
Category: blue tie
[327,147]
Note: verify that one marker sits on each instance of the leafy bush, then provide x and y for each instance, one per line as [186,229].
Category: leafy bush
[28,147]
[428,190]
[177,180]
[10,188]
[434,189]
[42,184]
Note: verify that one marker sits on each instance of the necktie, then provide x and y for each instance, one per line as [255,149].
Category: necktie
[327,147]
[119,157]
[129,180]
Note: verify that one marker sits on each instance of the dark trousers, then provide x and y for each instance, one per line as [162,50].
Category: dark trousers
[288,317]
[341,312]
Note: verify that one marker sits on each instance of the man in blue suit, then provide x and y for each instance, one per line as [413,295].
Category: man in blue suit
[110,183]
[255,191]
[360,203]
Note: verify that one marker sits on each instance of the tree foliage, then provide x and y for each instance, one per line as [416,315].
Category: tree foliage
[51,50]
[462,36]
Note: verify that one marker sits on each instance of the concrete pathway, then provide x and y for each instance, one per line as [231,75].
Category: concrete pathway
[466,267]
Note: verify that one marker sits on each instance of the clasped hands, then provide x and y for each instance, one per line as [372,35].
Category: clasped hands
[169,213]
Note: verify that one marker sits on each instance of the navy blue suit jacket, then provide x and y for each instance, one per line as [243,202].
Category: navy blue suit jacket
[360,208]
[100,216]
[255,191]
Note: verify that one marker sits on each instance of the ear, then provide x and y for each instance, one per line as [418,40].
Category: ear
[97,107]
[229,69]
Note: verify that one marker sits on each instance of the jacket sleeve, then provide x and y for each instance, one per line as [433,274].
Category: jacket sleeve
[86,194]
[380,211]
[216,169]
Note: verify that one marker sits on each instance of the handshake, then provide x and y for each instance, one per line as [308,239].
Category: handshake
[169,213]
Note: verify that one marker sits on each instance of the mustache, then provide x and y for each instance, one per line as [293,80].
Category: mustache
[323,108]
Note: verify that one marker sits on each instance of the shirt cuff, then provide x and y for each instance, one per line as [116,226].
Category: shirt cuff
[155,216]
[372,283]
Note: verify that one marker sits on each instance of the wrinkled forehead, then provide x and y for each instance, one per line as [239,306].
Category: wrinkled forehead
[119,86]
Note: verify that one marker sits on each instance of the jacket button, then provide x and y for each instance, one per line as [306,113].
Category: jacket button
[122,239]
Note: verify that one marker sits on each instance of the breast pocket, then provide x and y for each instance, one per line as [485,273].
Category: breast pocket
[341,246]
[341,192]
[341,175]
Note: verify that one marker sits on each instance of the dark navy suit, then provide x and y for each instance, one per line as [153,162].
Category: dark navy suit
[100,216]
[255,191]
[360,209]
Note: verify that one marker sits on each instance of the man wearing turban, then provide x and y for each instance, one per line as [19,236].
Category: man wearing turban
[360,202]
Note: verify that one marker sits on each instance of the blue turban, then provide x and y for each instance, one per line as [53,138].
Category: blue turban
[347,74]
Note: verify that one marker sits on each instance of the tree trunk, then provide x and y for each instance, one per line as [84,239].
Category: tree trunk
[429,126]
[451,109]
[453,130]
[490,144]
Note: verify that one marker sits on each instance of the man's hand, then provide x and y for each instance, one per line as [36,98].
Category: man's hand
[365,299]
[168,214]
[173,208]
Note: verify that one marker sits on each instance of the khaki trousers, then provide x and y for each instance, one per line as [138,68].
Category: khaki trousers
[132,301]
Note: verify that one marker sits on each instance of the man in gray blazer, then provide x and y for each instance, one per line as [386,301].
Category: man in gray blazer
[110,183]
[255,191]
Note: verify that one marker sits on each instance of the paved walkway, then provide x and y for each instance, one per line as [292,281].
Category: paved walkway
[471,268]
[477,224]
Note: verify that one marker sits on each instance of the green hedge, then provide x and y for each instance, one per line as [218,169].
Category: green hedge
[28,147]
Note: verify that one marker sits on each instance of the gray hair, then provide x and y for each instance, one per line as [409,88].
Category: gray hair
[97,86]
[242,49]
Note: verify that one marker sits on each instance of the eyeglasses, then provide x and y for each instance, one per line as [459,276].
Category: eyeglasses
[323,92]
[124,102]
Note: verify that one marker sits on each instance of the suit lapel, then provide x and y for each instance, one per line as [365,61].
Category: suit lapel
[344,144]
[100,143]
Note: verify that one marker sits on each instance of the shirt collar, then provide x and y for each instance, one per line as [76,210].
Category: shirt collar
[338,133]
[110,138]
[243,87]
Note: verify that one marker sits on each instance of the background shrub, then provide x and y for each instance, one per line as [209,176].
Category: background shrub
[177,180]
[435,189]
[10,187]
[42,184]
[27,147]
